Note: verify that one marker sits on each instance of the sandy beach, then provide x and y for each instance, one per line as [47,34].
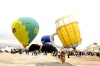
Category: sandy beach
[23,59]
[7,59]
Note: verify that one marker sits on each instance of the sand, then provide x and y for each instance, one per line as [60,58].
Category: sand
[7,59]
[23,59]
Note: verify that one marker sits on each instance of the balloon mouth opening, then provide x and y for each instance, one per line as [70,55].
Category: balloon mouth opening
[40,48]
[25,46]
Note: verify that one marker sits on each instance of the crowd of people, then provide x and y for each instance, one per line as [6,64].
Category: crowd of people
[73,53]
[57,53]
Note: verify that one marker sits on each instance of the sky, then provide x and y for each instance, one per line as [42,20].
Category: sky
[46,12]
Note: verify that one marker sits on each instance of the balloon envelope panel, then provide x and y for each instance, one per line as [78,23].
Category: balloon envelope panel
[46,39]
[45,47]
[25,30]
[68,31]
[48,48]
[34,47]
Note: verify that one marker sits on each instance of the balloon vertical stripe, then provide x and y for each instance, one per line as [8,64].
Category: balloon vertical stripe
[23,29]
[68,31]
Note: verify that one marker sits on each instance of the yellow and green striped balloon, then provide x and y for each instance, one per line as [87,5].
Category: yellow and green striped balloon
[25,29]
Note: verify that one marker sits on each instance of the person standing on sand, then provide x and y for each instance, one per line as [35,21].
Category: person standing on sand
[62,57]
[32,53]
[68,54]
[26,51]
[59,55]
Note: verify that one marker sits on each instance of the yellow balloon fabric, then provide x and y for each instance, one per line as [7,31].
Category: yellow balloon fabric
[68,31]
[20,33]
[25,30]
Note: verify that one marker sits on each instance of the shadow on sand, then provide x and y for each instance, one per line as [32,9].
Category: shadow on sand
[54,64]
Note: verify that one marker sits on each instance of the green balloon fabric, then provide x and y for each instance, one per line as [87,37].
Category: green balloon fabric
[25,29]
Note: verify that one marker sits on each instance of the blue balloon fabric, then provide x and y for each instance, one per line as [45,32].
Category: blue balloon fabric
[46,39]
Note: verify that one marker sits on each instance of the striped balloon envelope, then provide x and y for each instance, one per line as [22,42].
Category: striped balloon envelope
[68,31]
[25,29]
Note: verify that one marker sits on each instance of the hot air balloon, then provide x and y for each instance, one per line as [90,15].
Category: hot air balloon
[48,48]
[44,47]
[68,31]
[25,29]
[46,39]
